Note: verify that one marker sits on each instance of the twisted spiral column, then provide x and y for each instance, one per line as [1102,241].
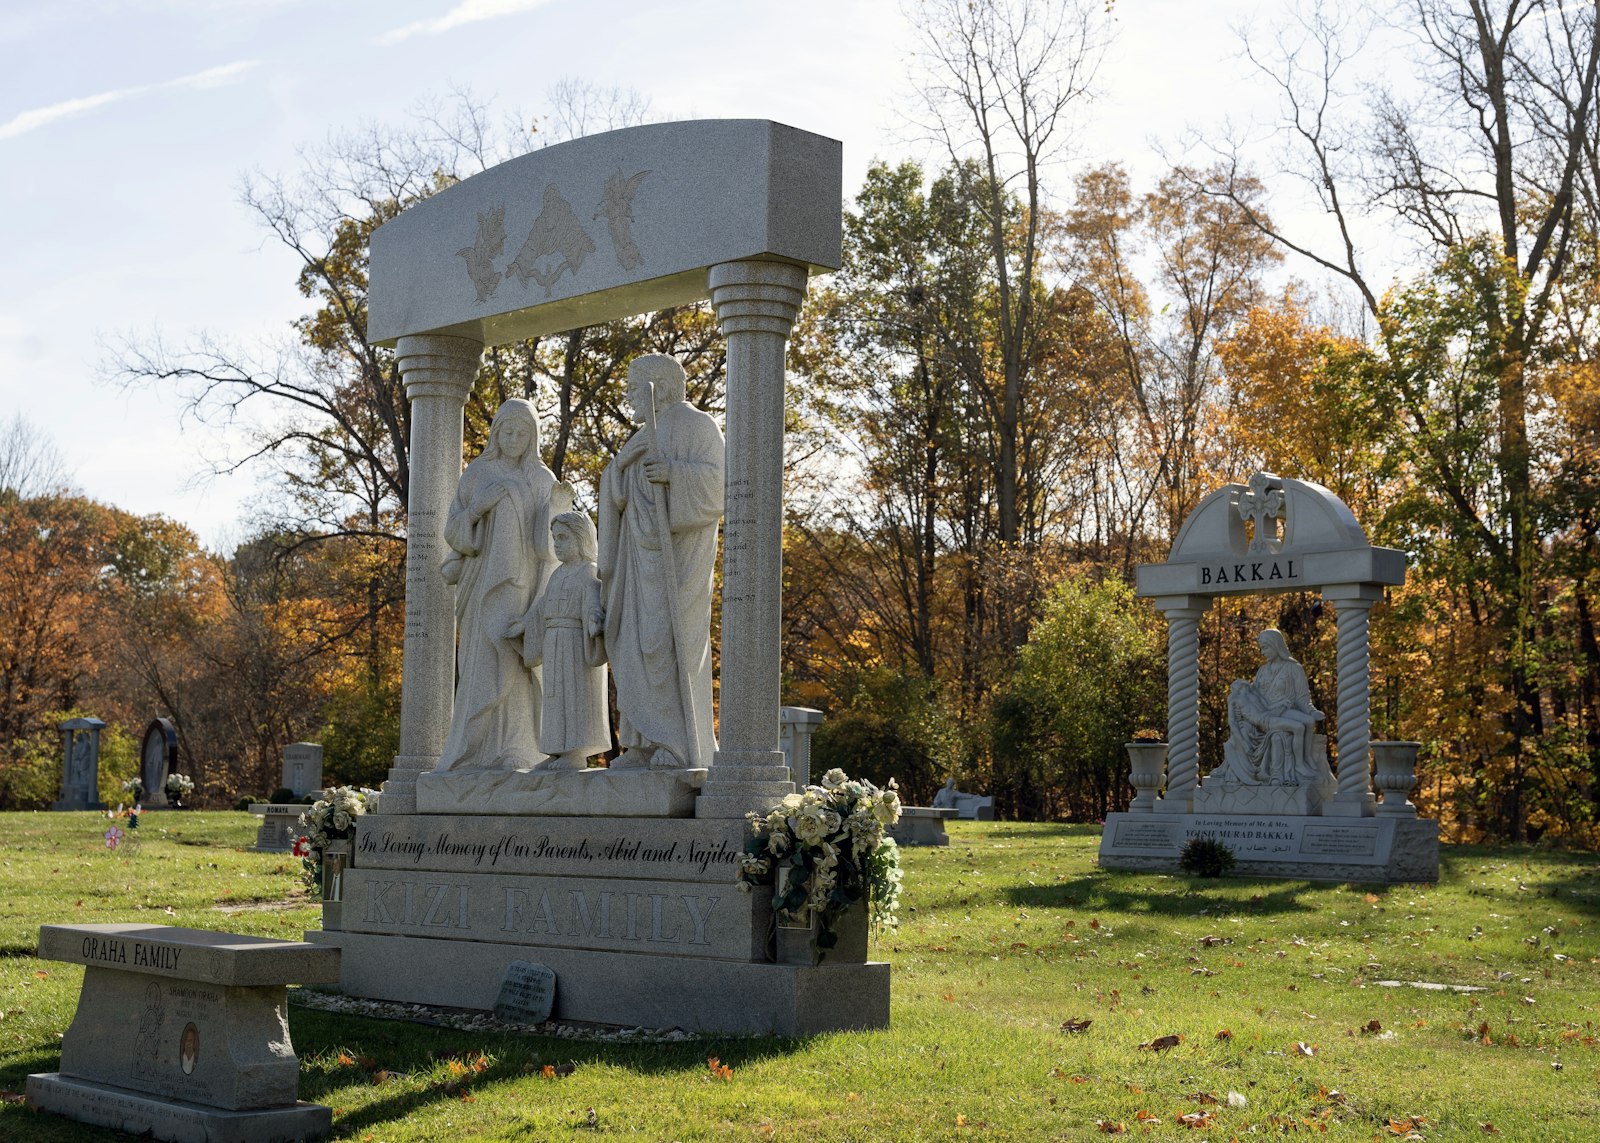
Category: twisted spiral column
[1182,614]
[1354,603]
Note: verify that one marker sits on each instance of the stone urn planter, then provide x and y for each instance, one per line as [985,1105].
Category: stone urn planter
[1395,764]
[335,860]
[1148,771]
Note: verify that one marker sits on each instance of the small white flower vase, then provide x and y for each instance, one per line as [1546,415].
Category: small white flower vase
[1148,770]
[797,939]
[1396,776]
[335,860]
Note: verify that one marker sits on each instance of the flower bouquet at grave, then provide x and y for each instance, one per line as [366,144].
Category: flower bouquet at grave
[134,788]
[178,787]
[124,829]
[824,849]
[331,818]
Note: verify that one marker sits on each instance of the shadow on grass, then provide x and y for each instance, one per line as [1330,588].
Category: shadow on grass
[412,1051]
[1131,893]
[20,1065]
[1571,876]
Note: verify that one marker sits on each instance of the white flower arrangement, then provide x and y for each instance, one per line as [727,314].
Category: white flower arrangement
[832,839]
[332,818]
[178,785]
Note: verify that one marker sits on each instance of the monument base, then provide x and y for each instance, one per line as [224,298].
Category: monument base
[641,919]
[153,1117]
[556,793]
[1385,850]
[631,989]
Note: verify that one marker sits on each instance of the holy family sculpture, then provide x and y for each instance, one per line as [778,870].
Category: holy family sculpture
[546,603]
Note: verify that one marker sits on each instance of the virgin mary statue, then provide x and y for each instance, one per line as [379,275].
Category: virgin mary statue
[498,531]
[1270,720]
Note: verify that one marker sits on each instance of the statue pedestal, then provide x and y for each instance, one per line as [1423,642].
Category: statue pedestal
[1215,796]
[556,793]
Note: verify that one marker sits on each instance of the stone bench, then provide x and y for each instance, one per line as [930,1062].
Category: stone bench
[183,1034]
[921,825]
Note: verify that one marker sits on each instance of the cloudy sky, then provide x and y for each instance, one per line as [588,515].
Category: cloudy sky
[127,125]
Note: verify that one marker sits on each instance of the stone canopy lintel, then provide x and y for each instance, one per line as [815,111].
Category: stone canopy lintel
[1272,573]
[605,227]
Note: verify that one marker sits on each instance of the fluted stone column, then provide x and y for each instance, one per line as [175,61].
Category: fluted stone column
[438,373]
[1355,798]
[1182,613]
[755,304]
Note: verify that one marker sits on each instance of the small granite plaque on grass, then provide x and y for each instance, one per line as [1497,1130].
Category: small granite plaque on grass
[527,993]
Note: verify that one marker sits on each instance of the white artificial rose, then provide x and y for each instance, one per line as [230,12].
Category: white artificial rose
[808,825]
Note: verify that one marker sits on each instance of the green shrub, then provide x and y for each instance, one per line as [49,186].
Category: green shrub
[282,796]
[1090,675]
[1206,857]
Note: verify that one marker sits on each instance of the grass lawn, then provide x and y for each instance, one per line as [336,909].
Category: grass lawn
[1008,937]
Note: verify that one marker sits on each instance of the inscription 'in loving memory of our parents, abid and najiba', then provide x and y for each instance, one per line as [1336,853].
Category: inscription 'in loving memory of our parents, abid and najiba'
[536,852]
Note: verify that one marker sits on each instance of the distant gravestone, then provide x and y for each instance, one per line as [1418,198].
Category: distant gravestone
[796,725]
[527,993]
[80,765]
[158,757]
[972,807]
[302,767]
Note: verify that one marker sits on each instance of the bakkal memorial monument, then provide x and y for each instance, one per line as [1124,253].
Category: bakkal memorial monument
[492,851]
[1274,800]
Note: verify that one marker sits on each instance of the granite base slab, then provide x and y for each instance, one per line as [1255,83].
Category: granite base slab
[631,989]
[152,1117]
[573,793]
[1313,848]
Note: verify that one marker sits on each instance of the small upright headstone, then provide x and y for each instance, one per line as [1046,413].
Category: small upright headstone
[158,757]
[302,767]
[796,725]
[527,993]
[80,767]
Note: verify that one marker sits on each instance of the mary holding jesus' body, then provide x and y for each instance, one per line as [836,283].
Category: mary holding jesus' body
[498,531]
[1271,720]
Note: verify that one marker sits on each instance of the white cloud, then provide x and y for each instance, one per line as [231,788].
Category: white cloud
[466,12]
[32,120]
